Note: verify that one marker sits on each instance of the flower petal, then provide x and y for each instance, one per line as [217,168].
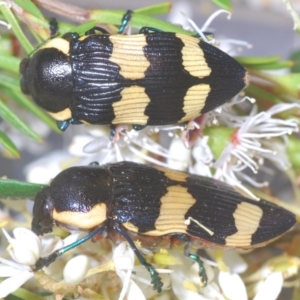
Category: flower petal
[26,246]
[8,271]
[178,278]
[14,265]
[233,286]
[270,288]
[130,288]
[76,268]
[11,284]
[178,162]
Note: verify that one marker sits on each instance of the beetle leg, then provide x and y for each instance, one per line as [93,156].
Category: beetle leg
[45,261]
[53,26]
[125,20]
[112,132]
[202,272]
[208,35]
[94,163]
[63,125]
[70,36]
[138,127]
[74,121]
[146,30]
[96,28]
[155,279]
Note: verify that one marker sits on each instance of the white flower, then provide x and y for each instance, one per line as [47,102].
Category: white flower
[26,250]
[185,280]
[203,156]
[26,247]
[233,286]
[128,144]
[136,279]
[176,161]
[76,269]
[253,131]
[17,276]
[256,138]
[268,281]
[123,257]
[270,288]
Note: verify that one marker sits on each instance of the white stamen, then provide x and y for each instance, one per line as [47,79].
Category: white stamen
[265,135]
[254,183]
[275,109]
[213,16]
[237,42]
[240,186]
[147,157]
[5,24]
[5,3]
[244,158]
[118,152]
[126,284]
[198,30]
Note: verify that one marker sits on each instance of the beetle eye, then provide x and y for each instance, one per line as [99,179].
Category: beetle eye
[42,211]
[46,221]
[23,68]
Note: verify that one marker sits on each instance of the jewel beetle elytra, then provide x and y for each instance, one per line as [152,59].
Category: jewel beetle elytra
[150,78]
[158,207]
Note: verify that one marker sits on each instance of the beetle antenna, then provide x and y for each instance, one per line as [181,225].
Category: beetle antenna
[45,261]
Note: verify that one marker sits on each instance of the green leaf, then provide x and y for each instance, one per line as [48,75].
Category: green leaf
[44,24]
[225,4]
[271,66]
[257,60]
[259,93]
[219,138]
[20,98]
[9,63]
[264,63]
[288,82]
[10,18]
[296,290]
[26,295]
[82,28]
[156,9]
[12,297]
[6,45]
[30,7]
[293,152]
[18,189]
[296,58]
[13,119]
[9,81]
[9,145]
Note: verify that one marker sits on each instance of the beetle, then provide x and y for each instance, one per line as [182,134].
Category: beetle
[156,206]
[150,78]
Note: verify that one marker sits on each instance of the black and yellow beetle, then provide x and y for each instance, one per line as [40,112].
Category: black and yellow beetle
[150,78]
[158,207]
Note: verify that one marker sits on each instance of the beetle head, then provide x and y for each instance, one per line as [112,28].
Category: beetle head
[47,77]
[42,212]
